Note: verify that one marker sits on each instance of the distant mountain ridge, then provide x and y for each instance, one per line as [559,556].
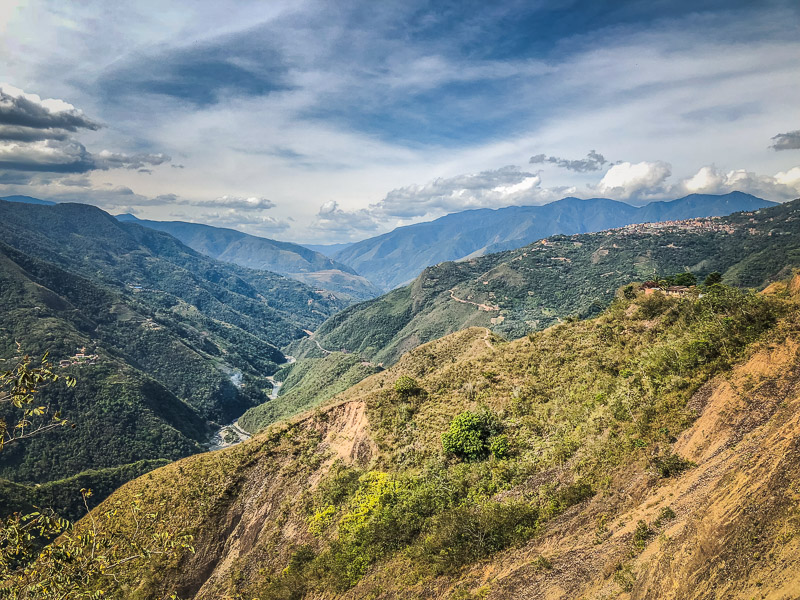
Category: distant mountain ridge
[535,286]
[397,257]
[27,200]
[253,252]
[328,249]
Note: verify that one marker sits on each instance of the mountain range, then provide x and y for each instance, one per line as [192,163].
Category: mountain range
[253,252]
[397,257]
[519,291]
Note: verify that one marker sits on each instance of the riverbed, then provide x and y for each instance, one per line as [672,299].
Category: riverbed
[231,434]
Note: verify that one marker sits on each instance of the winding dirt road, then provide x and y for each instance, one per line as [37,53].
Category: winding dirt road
[485,307]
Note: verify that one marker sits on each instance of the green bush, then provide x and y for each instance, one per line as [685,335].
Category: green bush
[671,465]
[469,435]
[499,446]
[468,533]
[686,279]
[406,386]
[641,535]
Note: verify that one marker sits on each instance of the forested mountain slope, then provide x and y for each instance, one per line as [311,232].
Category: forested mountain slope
[292,260]
[530,288]
[161,339]
[649,452]
[395,258]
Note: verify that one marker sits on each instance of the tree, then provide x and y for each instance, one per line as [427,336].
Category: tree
[686,279]
[18,388]
[713,279]
[87,561]
[43,556]
[472,435]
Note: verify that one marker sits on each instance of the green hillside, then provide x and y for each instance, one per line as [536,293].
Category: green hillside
[397,257]
[530,288]
[308,383]
[573,462]
[161,339]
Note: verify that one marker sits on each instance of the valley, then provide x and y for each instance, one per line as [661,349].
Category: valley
[399,300]
[491,407]
[619,436]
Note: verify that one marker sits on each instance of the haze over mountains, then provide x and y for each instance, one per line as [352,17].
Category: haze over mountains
[395,258]
[292,260]
[360,271]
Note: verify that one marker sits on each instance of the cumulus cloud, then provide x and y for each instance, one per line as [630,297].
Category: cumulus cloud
[36,135]
[593,162]
[784,185]
[494,188]
[233,218]
[105,160]
[56,156]
[787,141]
[333,220]
[29,111]
[625,181]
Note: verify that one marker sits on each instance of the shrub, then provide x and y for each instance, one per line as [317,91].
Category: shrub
[664,515]
[406,386]
[686,279]
[465,437]
[499,446]
[653,305]
[671,465]
[470,435]
[641,535]
[468,533]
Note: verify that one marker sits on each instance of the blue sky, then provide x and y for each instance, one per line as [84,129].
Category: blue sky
[334,121]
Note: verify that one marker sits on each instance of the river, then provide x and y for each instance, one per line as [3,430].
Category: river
[231,434]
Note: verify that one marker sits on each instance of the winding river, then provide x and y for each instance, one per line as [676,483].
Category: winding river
[231,434]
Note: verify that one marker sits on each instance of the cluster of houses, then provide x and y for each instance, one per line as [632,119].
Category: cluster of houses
[651,287]
[79,358]
[700,224]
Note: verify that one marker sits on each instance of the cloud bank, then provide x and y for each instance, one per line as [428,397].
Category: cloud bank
[36,136]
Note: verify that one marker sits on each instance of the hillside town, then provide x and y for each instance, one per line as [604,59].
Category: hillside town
[697,225]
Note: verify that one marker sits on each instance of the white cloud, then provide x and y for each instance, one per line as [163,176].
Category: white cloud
[44,155]
[710,180]
[487,189]
[333,220]
[244,203]
[626,180]
[116,160]
[707,178]
[12,98]
[790,177]
[255,224]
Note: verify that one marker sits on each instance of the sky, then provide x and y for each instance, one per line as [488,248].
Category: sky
[326,122]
